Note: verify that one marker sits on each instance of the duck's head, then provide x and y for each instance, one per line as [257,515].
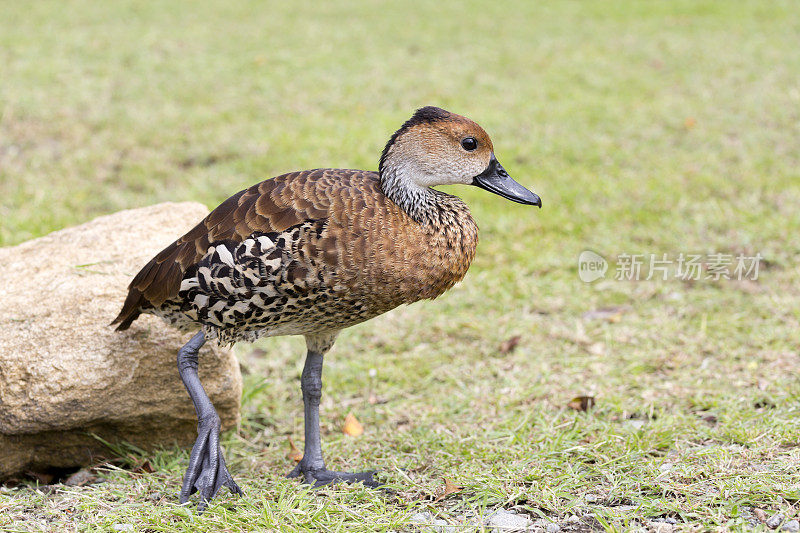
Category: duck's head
[436,147]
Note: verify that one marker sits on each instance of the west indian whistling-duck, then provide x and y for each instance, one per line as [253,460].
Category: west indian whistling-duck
[310,253]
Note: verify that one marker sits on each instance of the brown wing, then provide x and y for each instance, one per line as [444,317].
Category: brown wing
[273,205]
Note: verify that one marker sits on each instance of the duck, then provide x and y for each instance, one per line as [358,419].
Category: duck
[314,252]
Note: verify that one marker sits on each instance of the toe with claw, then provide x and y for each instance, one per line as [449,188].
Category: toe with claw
[319,477]
[207,472]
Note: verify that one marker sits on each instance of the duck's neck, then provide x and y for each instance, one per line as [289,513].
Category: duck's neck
[419,202]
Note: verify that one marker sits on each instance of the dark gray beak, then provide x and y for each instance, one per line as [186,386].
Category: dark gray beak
[495,179]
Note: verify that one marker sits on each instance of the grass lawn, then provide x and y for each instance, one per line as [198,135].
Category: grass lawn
[646,127]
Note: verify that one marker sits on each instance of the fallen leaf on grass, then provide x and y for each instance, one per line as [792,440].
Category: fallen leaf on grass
[509,345]
[449,488]
[581,403]
[760,514]
[352,426]
[294,454]
[143,468]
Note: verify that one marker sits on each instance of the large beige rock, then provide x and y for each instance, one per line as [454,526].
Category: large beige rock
[65,374]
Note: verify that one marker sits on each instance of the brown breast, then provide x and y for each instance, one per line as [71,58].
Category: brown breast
[388,258]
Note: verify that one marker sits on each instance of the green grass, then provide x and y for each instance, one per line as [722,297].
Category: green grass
[646,127]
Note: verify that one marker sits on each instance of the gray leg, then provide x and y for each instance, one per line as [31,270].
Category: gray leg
[207,472]
[312,466]
[311,385]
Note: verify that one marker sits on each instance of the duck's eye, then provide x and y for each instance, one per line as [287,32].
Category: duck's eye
[469,144]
